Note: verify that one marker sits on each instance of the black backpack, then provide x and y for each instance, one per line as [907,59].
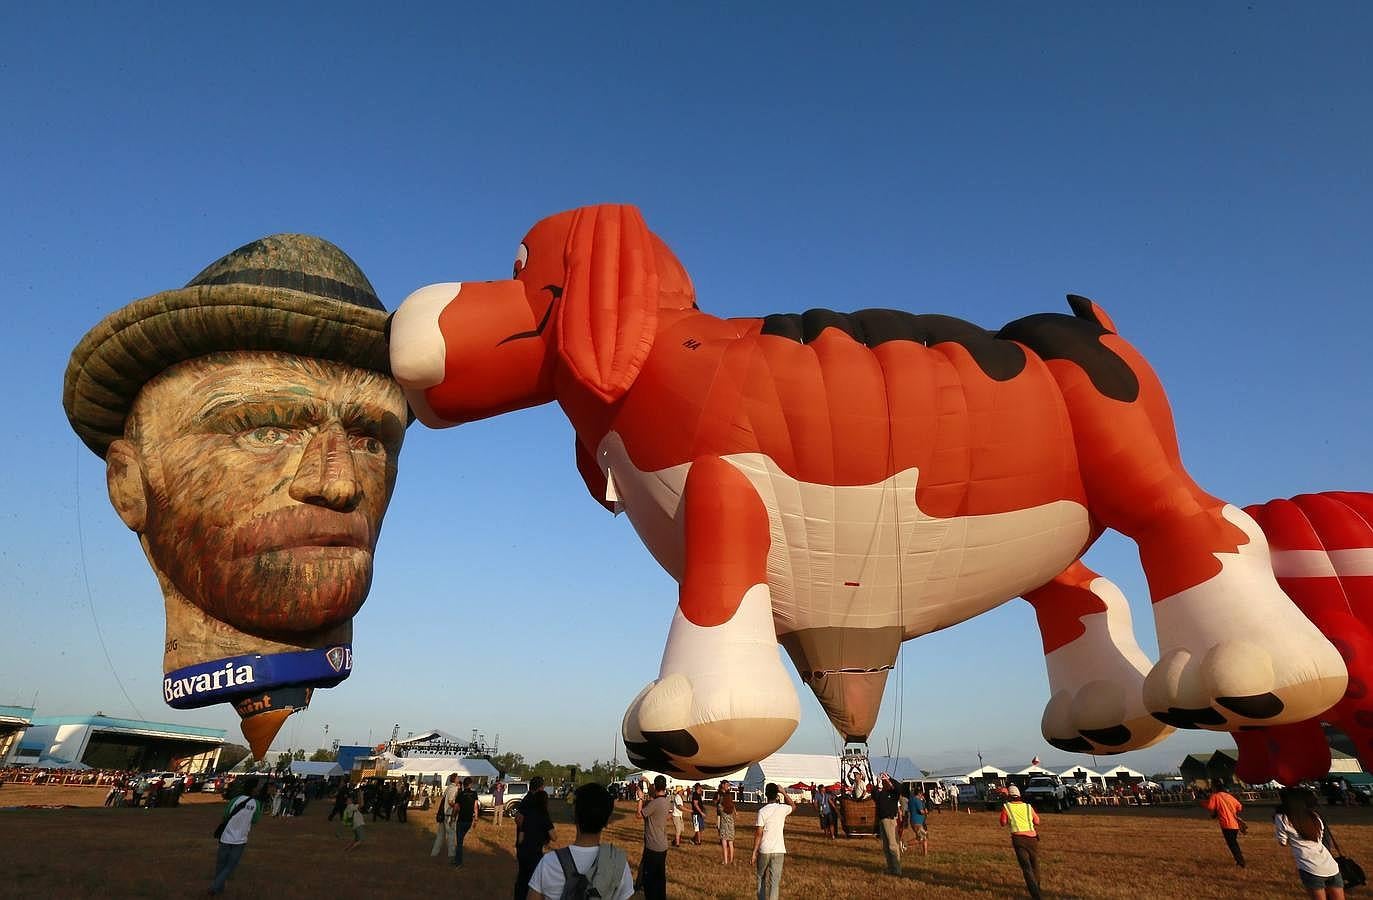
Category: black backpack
[576,886]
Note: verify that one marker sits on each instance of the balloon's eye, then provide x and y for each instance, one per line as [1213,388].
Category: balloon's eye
[521,259]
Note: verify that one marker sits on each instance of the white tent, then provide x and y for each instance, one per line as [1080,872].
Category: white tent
[436,769]
[303,769]
[785,769]
[990,773]
[1123,773]
[1034,770]
[1082,773]
[900,768]
[735,778]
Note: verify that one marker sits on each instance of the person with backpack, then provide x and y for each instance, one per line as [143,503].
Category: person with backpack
[586,868]
[446,818]
[466,805]
[241,814]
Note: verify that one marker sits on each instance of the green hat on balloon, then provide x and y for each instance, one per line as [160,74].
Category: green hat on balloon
[291,292]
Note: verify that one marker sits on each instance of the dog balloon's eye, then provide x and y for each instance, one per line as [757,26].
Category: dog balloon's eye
[521,259]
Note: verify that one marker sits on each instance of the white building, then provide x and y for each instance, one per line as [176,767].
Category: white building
[14,720]
[103,742]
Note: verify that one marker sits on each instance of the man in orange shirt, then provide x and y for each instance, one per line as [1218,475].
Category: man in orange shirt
[1022,819]
[1226,810]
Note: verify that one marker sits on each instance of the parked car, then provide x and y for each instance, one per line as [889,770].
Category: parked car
[515,791]
[1046,792]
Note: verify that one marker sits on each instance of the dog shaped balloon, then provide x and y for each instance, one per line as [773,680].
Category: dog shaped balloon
[840,483]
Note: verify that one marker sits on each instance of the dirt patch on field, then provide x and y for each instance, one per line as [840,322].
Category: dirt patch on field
[91,851]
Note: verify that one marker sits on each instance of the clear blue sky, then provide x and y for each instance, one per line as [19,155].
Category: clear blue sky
[1203,173]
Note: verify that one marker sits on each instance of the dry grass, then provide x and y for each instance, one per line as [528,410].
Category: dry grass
[87,852]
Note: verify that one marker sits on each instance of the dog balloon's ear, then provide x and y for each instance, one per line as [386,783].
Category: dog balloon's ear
[610,298]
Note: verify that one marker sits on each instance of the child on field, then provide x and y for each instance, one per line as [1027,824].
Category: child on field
[354,819]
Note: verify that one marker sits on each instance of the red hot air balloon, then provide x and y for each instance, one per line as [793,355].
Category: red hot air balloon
[1322,551]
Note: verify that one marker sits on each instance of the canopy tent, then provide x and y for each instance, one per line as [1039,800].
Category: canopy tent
[987,773]
[735,778]
[790,768]
[1083,774]
[1029,771]
[304,769]
[1341,762]
[436,769]
[900,768]
[1122,773]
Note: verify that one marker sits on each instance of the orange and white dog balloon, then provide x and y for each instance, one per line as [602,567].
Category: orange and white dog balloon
[840,483]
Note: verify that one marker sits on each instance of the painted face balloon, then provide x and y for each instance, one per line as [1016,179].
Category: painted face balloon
[268,476]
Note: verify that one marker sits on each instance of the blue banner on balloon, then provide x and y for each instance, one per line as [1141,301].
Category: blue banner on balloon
[219,680]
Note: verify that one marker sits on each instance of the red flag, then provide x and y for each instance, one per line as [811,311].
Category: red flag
[1035,761]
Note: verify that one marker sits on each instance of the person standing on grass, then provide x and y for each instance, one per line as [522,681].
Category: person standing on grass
[498,801]
[822,809]
[446,818]
[653,865]
[605,866]
[888,801]
[466,804]
[1225,809]
[1022,819]
[240,816]
[354,818]
[340,801]
[677,816]
[403,794]
[533,831]
[769,845]
[724,820]
[698,813]
[920,832]
[1300,829]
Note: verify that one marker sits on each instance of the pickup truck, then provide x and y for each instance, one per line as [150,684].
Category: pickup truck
[1046,792]
[515,791]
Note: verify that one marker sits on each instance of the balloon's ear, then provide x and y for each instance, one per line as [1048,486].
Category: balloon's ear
[124,478]
[610,299]
[675,290]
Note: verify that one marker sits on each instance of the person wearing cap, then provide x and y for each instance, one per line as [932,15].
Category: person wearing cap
[250,432]
[653,865]
[887,797]
[1021,818]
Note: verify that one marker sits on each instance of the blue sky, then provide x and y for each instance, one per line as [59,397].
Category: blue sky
[1203,173]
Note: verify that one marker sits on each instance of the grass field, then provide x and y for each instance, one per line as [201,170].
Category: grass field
[96,852]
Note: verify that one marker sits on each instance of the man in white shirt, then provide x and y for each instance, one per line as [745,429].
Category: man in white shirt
[605,866]
[769,848]
[239,818]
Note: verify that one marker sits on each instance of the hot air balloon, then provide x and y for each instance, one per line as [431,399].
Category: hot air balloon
[842,482]
[1322,547]
[250,434]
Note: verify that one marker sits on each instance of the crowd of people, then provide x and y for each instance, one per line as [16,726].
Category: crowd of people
[901,811]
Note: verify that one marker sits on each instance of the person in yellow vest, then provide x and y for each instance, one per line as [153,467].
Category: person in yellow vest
[1022,819]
